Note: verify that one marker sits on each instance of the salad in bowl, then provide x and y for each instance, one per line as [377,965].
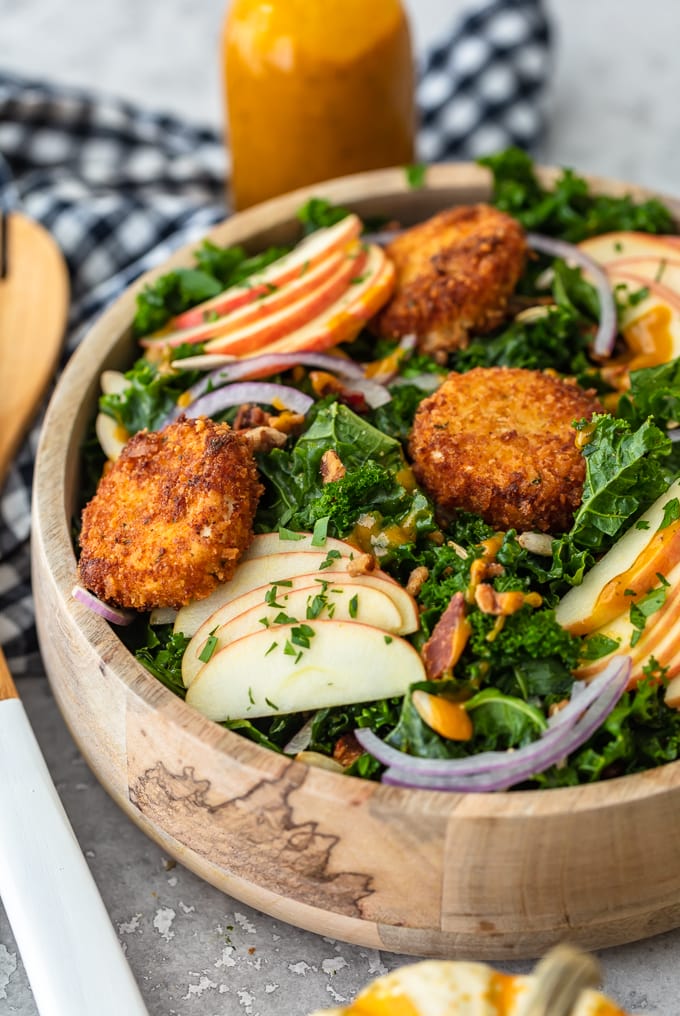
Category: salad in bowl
[403,503]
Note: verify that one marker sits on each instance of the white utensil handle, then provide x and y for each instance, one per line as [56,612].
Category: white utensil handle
[70,951]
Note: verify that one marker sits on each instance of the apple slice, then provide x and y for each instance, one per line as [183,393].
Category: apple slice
[287,671]
[632,563]
[278,324]
[112,436]
[340,602]
[314,584]
[343,321]
[271,543]
[610,247]
[308,252]
[662,270]
[259,571]
[659,638]
[651,328]
[272,300]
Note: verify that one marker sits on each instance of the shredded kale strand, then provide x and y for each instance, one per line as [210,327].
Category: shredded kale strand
[568,210]
[162,656]
[640,733]
[151,395]
[318,213]
[374,463]
[654,392]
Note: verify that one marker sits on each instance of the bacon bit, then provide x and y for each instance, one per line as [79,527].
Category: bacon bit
[250,416]
[347,750]
[363,564]
[327,384]
[263,439]
[503,604]
[331,467]
[447,718]
[416,579]
[445,645]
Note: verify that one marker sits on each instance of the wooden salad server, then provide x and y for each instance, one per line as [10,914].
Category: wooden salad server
[70,950]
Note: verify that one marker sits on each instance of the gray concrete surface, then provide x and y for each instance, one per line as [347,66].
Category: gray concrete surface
[194,951]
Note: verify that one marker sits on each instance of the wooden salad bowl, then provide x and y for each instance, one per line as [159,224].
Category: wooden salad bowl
[484,876]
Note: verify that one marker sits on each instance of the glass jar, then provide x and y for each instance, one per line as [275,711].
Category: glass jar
[315,89]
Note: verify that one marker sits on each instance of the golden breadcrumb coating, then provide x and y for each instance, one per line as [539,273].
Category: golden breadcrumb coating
[498,441]
[455,274]
[171,517]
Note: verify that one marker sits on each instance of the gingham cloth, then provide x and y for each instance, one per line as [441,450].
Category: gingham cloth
[120,187]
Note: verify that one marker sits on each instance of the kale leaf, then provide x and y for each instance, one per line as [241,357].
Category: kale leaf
[625,473]
[318,213]
[567,209]
[151,395]
[176,291]
[654,392]
[162,656]
[374,464]
[556,340]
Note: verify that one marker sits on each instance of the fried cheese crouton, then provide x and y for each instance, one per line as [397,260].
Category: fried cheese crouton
[455,274]
[171,517]
[499,441]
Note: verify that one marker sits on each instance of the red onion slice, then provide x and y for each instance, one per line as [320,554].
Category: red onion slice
[603,343]
[261,392]
[115,615]
[261,366]
[494,770]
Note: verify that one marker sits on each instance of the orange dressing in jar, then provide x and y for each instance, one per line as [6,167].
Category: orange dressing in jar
[315,89]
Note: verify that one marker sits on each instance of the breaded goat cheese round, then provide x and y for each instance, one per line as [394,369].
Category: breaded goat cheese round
[499,441]
[171,517]
[455,274]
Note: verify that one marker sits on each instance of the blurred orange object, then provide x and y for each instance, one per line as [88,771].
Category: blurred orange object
[315,90]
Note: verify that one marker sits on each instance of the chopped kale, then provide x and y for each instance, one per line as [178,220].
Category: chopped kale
[567,209]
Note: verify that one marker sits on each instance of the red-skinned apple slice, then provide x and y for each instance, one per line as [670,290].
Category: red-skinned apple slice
[633,562]
[256,335]
[308,252]
[651,327]
[665,270]
[637,280]
[343,662]
[256,310]
[344,320]
[608,248]
[660,637]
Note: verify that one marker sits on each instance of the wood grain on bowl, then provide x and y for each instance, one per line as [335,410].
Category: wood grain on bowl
[485,876]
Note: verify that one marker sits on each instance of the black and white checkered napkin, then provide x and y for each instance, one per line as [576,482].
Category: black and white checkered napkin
[119,188]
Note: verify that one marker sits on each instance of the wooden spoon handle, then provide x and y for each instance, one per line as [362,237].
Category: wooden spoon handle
[560,978]
[71,953]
